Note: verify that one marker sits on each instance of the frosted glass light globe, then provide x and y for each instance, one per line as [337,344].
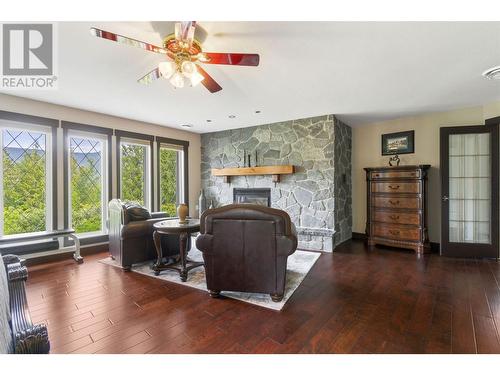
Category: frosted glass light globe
[167,68]
[196,78]
[177,80]
[188,68]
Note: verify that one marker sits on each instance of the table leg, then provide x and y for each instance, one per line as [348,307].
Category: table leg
[159,259]
[183,252]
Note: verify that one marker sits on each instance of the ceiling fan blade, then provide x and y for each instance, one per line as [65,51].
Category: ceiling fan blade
[208,81]
[242,59]
[125,40]
[150,77]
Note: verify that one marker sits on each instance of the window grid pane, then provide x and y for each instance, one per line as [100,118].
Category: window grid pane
[469,188]
[24,181]
[168,180]
[133,173]
[86,184]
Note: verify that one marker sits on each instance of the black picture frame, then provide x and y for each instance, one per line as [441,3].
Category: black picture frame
[408,143]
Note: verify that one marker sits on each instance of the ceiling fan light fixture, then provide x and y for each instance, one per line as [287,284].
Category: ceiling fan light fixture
[167,69]
[188,68]
[187,54]
[196,78]
[177,80]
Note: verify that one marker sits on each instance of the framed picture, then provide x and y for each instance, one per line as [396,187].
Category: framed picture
[398,143]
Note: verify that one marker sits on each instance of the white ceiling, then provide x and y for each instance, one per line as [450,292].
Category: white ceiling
[361,71]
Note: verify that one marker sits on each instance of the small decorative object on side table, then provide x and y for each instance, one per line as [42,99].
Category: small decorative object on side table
[182,212]
[184,231]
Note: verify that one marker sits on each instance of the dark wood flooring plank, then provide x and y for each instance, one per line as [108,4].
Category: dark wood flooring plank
[462,331]
[486,335]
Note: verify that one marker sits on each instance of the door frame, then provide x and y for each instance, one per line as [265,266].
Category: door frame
[457,249]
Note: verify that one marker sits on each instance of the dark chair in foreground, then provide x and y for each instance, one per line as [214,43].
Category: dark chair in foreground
[245,248]
[131,234]
[17,333]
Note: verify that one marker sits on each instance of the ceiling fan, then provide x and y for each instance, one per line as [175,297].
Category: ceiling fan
[184,54]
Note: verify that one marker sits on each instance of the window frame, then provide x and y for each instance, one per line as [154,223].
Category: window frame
[21,122]
[183,183]
[87,131]
[137,139]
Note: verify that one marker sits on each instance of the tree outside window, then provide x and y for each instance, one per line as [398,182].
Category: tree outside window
[133,173]
[86,184]
[24,181]
[168,180]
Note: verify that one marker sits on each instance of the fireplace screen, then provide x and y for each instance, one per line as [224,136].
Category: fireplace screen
[252,196]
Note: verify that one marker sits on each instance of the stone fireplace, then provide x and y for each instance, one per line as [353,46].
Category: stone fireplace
[260,196]
[317,196]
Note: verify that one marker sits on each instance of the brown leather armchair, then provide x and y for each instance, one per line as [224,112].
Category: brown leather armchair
[245,248]
[131,234]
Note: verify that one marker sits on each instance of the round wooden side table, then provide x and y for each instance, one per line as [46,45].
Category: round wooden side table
[183,231]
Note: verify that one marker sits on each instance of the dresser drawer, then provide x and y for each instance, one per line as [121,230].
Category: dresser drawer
[396,187]
[408,218]
[395,174]
[396,232]
[396,202]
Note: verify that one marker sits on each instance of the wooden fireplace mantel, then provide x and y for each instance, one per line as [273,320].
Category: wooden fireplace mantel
[275,170]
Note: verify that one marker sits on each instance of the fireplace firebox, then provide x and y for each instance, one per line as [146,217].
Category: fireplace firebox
[260,196]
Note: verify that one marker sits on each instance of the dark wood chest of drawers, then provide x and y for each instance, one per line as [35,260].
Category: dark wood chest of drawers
[396,207]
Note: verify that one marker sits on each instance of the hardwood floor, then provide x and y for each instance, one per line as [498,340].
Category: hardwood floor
[352,301]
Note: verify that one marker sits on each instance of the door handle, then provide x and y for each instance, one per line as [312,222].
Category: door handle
[445,198]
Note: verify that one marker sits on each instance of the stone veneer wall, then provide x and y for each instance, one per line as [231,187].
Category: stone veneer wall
[343,184]
[317,198]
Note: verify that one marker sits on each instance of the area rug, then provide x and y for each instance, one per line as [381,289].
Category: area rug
[298,265]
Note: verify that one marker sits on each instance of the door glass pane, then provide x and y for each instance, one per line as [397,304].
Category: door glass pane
[168,180]
[86,168]
[133,173]
[24,181]
[470,188]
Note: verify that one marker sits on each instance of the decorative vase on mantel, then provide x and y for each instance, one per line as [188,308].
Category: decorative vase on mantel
[182,212]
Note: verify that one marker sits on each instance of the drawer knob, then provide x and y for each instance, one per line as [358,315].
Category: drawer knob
[394,232]
[393,203]
[394,217]
[394,187]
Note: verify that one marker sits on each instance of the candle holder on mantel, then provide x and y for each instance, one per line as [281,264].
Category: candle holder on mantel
[394,159]
[247,159]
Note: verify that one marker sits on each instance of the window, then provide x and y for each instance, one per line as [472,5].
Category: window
[88,182]
[134,167]
[171,181]
[26,178]
[135,173]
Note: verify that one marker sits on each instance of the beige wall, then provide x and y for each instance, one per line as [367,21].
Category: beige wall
[366,152]
[37,108]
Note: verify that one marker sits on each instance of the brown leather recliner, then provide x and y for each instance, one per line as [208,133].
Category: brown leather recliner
[245,248]
[131,234]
